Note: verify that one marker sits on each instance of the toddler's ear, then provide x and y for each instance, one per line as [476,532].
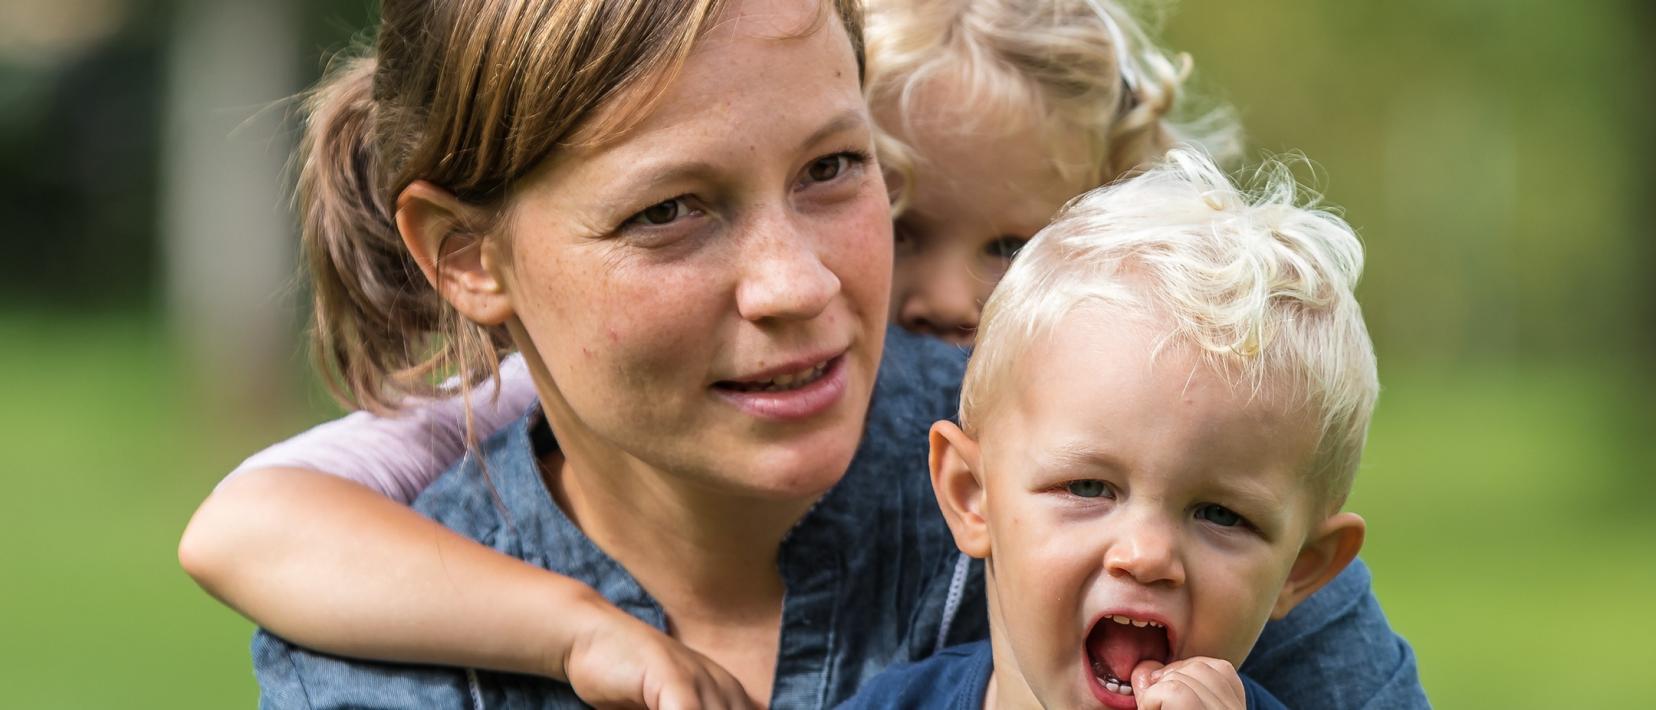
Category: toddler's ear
[1332,545]
[460,263]
[956,480]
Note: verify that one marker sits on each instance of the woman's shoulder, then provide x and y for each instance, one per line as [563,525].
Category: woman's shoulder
[919,383]
[294,677]
[467,498]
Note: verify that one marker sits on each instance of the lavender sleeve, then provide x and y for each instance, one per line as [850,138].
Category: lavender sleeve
[399,456]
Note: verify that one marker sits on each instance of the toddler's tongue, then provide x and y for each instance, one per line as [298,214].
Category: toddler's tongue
[1120,647]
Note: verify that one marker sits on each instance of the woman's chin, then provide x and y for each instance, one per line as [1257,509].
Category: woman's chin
[798,472]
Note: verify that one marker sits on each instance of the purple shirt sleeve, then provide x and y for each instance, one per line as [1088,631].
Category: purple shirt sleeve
[399,456]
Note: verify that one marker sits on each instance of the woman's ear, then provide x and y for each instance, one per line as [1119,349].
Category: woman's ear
[1331,546]
[956,473]
[462,264]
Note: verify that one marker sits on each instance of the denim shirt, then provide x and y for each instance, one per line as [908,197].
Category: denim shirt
[957,678]
[871,579]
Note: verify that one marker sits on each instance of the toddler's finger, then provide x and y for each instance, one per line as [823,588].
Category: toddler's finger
[1145,675]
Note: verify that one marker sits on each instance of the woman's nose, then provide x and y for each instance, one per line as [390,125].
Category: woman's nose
[1146,552]
[784,278]
[938,297]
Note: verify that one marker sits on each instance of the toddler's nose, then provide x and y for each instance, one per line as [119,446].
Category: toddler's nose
[1147,552]
[941,302]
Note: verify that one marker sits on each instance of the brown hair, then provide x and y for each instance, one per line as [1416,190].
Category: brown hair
[470,95]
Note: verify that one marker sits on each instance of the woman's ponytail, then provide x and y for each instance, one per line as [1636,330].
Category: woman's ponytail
[371,303]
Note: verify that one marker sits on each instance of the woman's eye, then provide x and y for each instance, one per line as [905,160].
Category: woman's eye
[1005,247]
[1088,489]
[1218,515]
[661,213]
[828,168]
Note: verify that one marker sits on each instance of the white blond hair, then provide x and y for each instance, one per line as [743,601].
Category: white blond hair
[1260,284]
[1062,69]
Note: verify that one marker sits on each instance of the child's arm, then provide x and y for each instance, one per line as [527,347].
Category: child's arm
[334,564]
[398,457]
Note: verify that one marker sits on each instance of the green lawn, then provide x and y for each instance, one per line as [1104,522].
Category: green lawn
[1509,534]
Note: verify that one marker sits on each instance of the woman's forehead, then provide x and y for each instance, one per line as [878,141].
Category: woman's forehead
[757,81]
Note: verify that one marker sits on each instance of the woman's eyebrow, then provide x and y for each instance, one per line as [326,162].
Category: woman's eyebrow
[846,120]
[668,172]
[648,176]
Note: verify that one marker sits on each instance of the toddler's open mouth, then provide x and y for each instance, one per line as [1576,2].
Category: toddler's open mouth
[1117,644]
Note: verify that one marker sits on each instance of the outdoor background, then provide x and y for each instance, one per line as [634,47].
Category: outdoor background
[1495,154]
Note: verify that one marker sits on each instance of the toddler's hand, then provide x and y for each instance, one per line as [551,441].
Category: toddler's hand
[1198,683]
[621,662]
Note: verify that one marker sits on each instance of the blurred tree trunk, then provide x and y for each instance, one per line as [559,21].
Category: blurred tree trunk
[1644,79]
[226,232]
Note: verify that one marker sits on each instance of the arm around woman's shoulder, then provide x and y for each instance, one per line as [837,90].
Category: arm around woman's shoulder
[398,456]
[1336,650]
[313,539]
[332,565]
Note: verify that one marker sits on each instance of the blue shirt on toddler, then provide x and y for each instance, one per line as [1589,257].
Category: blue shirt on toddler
[957,678]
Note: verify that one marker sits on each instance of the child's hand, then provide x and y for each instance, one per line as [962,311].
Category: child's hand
[1198,683]
[621,662]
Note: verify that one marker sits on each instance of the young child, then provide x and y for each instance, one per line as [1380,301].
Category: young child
[1161,421]
[995,113]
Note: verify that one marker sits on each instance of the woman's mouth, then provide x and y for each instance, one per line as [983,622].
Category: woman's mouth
[794,394]
[783,382]
[1114,647]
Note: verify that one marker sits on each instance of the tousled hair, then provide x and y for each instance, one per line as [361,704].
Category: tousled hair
[1061,69]
[1259,284]
[470,95]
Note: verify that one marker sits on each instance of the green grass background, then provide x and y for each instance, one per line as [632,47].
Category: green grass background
[1510,535]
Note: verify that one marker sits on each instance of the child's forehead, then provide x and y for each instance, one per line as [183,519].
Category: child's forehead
[1111,378]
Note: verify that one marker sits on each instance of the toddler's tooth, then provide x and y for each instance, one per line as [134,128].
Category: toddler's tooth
[1141,624]
[1121,620]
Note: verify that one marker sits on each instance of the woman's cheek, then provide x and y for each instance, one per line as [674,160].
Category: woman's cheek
[871,256]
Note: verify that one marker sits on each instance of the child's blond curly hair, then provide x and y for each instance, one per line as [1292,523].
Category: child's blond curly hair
[1064,70]
[1260,284]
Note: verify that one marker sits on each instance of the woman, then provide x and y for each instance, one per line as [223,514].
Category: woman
[670,209]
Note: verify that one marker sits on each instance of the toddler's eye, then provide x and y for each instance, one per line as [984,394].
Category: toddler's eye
[1005,247]
[660,213]
[1088,489]
[904,237]
[1218,515]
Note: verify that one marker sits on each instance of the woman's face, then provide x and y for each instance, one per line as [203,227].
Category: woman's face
[708,292]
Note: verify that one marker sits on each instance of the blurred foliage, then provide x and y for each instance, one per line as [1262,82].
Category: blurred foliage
[1495,154]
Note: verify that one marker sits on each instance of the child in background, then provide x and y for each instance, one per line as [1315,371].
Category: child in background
[1166,407]
[997,112]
